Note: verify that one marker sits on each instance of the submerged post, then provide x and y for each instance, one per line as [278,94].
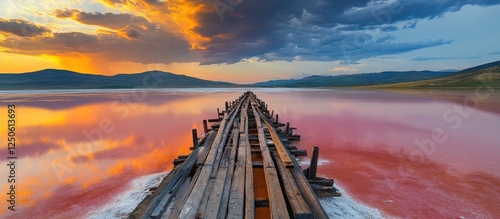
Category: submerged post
[227,107]
[314,164]
[277,121]
[195,138]
[205,126]
[218,113]
[287,128]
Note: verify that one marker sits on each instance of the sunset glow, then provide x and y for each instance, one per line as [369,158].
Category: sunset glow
[246,41]
[69,158]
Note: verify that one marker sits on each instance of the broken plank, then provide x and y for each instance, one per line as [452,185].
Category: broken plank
[299,207]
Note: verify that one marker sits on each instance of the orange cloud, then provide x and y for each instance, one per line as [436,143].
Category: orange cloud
[176,16]
[183,13]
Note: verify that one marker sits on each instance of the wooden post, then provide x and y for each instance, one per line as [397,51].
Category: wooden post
[227,107]
[218,113]
[287,128]
[277,121]
[314,164]
[195,138]
[272,114]
[205,126]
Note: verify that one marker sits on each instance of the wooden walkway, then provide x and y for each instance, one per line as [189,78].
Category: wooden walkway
[243,168]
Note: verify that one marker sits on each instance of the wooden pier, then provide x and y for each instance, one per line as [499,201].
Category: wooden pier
[244,167]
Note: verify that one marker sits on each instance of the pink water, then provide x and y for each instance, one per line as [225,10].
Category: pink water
[79,150]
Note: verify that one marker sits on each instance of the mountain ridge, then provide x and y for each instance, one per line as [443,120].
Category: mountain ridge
[486,75]
[362,79]
[65,79]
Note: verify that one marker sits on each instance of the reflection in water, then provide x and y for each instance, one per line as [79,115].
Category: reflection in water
[407,155]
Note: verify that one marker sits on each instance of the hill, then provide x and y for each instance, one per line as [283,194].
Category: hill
[487,75]
[365,79]
[62,79]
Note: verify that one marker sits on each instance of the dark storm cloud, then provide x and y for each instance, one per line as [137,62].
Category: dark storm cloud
[287,30]
[109,20]
[109,46]
[22,28]
[318,29]
[388,12]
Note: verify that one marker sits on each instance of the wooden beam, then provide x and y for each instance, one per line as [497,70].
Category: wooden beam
[193,202]
[183,197]
[307,192]
[299,206]
[174,184]
[314,164]
[223,209]
[285,158]
[249,193]
[205,126]
[211,210]
[195,138]
[277,202]
[236,205]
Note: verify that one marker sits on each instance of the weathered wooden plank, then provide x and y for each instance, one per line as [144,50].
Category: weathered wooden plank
[237,192]
[202,210]
[236,204]
[298,153]
[249,193]
[223,182]
[322,182]
[216,120]
[178,161]
[307,192]
[314,164]
[195,138]
[182,190]
[204,199]
[216,141]
[194,199]
[299,207]
[223,209]
[193,202]
[173,186]
[205,126]
[285,158]
[215,198]
[206,148]
[142,212]
[183,197]
[225,136]
[277,202]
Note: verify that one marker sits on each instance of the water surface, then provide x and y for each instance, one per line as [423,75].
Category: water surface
[409,154]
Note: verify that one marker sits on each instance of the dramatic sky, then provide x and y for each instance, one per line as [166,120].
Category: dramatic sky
[247,40]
